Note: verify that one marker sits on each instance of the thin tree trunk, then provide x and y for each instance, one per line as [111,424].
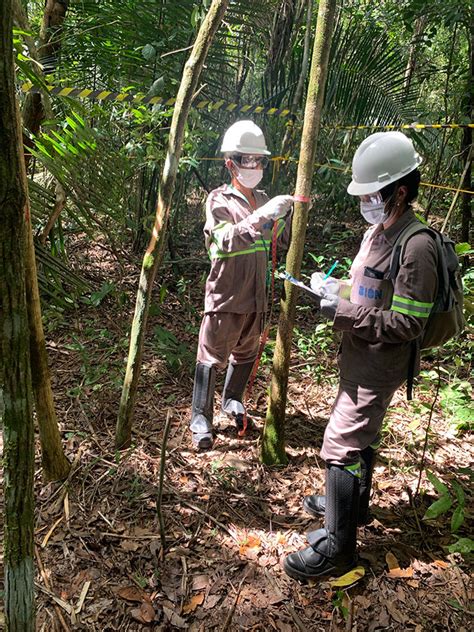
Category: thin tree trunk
[301,81]
[466,205]
[59,205]
[154,251]
[411,63]
[273,442]
[18,452]
[49,45]
[55,464]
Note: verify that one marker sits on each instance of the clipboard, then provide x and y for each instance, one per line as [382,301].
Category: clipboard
[286,276]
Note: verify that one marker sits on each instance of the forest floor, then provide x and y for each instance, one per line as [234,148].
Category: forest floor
[229,521]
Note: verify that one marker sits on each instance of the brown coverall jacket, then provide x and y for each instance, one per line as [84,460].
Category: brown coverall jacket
[239,246]
[382,319]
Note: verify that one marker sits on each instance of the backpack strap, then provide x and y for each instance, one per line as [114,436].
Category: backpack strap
[398,251]
[396,259]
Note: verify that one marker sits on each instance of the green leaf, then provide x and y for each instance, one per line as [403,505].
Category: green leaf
[457,519]
[458,490]
[463,248]
[149,52]
[437,484]
[463,545]
[439,507]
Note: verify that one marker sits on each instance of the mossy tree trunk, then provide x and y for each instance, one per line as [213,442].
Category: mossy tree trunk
[55,464]
[273,441]
[15,352]
[153,254]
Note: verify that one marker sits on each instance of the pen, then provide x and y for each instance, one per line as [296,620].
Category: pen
[331,269]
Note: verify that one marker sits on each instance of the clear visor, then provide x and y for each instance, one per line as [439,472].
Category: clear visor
[250,161]
[373,198]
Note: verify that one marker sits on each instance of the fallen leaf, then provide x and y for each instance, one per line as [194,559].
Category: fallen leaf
[211,601]
[131,593]
[395,613]
[200,582]
[441,564]
[349,578]
[400,572]
[362,601]
[250,542]
[392,561]
[144,614]
[193,603]
[174,618]
[413,583]
[129,545]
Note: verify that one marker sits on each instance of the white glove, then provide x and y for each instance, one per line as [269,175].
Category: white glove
[275,208]
[323,286]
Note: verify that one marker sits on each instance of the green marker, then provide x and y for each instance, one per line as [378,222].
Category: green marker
[331,269]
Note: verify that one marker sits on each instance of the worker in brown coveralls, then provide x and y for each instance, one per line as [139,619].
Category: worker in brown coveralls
[238,234]
[380,323]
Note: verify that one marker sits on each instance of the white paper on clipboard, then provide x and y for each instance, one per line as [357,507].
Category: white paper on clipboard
[287,277]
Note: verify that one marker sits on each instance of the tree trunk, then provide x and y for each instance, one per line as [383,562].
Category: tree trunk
[273,442]
[55,464]
[49,45]
[18,452]
[279,48]
[301,81]
[415,40]
[154,252]
[466,205]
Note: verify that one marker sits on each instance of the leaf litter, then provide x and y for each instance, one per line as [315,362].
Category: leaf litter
[222,564]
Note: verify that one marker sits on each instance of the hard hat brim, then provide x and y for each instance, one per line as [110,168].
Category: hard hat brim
[367,188]
[246,150]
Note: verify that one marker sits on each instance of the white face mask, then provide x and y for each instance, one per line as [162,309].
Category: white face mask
[372,209]
[248,177]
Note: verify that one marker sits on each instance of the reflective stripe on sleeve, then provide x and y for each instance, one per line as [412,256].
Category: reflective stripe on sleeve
[218,236]
[411,307]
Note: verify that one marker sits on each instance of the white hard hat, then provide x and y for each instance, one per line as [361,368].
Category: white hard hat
[381,159]
[246,138]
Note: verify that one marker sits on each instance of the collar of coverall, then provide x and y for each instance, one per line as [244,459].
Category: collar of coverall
[393,231]
[228,189]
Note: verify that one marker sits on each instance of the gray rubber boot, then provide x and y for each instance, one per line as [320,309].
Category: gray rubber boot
[332,550]
[203,406]
[234,387]
[315,505]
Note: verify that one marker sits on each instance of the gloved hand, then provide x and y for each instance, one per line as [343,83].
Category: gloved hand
[329,305]
[275,208]
[324,286]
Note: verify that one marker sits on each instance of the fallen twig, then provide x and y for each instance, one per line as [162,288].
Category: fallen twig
[159,510]
[229,617]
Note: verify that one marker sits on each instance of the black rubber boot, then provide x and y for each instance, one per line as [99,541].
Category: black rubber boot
[203,406]
[234,387]
[315,505]
[332,550]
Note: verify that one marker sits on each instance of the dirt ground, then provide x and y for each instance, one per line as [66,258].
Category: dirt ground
[228,520]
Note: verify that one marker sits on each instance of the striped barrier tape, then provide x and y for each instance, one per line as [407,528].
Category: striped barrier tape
[138,99]
[414,126]
[276,159]
[127,97]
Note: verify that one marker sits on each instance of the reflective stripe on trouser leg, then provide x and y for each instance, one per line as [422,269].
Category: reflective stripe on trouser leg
[355,421]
